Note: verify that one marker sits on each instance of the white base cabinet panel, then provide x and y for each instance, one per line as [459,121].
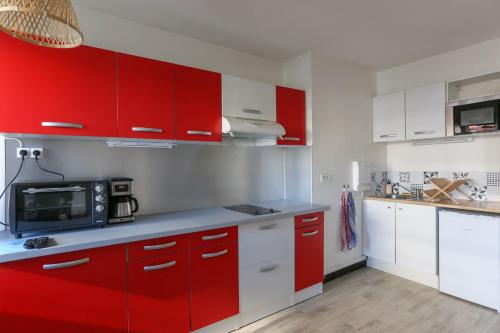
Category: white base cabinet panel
[305,294]
[416,237]
[379,230]
[262,241]
[469,257]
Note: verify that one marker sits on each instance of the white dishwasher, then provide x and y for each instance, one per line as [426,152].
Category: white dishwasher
[469,257]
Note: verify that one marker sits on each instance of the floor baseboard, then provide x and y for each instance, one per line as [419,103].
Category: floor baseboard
[344,271]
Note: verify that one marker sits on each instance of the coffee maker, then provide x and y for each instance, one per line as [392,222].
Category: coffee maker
[122,204]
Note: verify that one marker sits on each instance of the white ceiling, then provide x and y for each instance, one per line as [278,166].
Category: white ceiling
[375,33]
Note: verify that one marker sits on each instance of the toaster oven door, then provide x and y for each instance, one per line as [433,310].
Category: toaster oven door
[53,206]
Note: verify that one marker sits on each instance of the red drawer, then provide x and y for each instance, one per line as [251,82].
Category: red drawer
[214,237]
[309,220]
[158,246]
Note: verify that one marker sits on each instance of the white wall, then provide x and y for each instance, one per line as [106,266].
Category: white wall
[118,34]
[480,155]
[340,112]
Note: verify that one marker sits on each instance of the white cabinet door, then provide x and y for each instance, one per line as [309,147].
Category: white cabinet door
[262,241]
[379,230]
[416,237]
[248,99]
[389,117]
[469,257]
[426,112]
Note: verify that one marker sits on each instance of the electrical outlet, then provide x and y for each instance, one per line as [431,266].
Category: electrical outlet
[35,149]
[27,150]
[325,178]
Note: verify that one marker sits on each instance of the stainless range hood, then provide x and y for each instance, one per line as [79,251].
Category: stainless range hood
[251,128]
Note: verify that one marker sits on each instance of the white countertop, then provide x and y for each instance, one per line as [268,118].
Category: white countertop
[149,227]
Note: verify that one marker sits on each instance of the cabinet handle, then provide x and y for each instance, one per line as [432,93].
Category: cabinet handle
[63,125]
[147,130]
[213,255]
[388,135]
[269,268]
[309,234]
[158,267]
[290,138]
[212,237]
[313,219]
[269,227]
[159,246]
[424,132]
[251,111]
[67,264]
[388,207]
[206,133]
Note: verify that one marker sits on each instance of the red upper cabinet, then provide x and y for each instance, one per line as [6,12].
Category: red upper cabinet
[291,113]
[159,294]
[198,104]
[145,98]
[76,292]
[214,284]
[56,91]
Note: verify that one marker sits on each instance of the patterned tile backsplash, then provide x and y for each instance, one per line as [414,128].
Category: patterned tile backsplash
[482,185]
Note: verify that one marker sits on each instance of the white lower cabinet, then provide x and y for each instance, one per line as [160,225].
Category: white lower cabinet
[266,267]
[469,257]
[379,230]
[416,237]
[401,239]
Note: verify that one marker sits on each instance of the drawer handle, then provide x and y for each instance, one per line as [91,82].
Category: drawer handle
[205,133]
[309,234]
[269,268]
[388,135]
[158,267]
[269,227]
[67,264]
[290,138]
[159,246]
[424,132]
[251,111]
[465,229]
[313,219]
[213,255]
[147,129]
[212,237]
[63,125]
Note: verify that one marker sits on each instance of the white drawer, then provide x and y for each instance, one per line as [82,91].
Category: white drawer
[264,283]
[259,242]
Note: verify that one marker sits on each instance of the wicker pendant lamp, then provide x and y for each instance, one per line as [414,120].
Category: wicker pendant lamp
[50,23]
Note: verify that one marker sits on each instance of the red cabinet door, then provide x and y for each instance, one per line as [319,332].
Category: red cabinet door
[56,91]
[77,292]
[158,296]
[145,98]
[309,256]
[214,284]
[198,104]
[291,113]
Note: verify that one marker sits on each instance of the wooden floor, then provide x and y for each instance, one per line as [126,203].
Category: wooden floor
[368,300]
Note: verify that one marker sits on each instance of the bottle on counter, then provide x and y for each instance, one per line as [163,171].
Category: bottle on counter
[389,187]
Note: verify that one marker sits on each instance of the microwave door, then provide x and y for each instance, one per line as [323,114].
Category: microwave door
[476,118]
[57,206]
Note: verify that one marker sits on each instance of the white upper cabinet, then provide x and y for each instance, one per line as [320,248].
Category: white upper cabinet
[248,99]
[389,117]
[426,112]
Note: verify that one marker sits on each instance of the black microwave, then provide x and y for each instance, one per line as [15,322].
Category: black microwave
[47,206]
[476,117]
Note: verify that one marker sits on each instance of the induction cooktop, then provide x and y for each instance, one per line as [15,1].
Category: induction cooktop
[252,210]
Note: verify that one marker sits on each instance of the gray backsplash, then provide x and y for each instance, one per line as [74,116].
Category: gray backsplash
[186,177]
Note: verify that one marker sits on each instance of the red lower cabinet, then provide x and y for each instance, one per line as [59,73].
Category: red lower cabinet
[309,254]
[214,284]
[158,296]
[78,292]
